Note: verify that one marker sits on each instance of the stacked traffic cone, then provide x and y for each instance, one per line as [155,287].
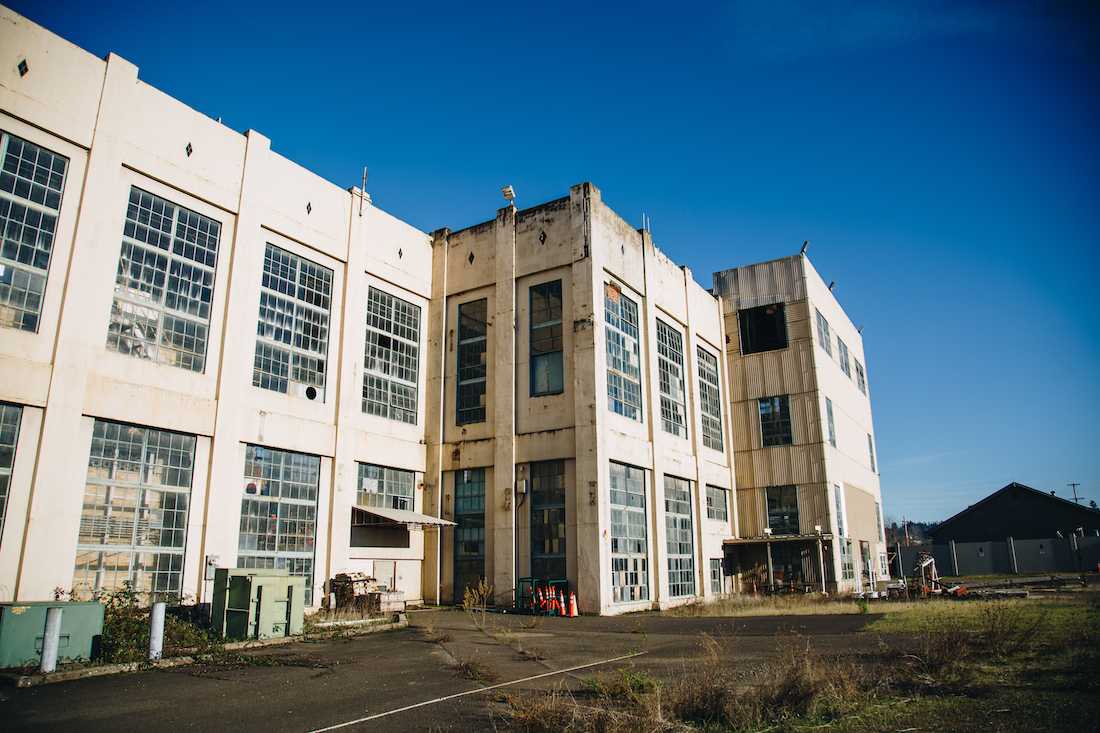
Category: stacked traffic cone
[572,604]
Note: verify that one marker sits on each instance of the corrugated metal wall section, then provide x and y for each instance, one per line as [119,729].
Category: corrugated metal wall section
[813,508]
[860,509]
[795,464]
[751,512]
[760,284]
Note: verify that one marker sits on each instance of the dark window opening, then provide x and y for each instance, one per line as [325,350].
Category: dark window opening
[548,520]
[472,372]
[775,421]
[782,509]
[546,340]
[763,328]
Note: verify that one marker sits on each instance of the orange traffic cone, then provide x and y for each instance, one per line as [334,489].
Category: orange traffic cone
[572,604]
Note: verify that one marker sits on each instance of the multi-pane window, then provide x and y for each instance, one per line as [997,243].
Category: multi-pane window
[548,520]
[670,367]
[9,434]
[679,539]
[717,507]
[710,399]
[546,339]
[388,488]
[624,371]
[472,375]
[878,519]
[391,362]
[165,283]
[838,494]
[861,377]
[469,550]
[279,512]
[763,328]
[292,330]
[31,182]
[842,355]
[830,421]
[782,509]
[716,576]
[847,566]
[775,420]
[871,451]
[629,543]
[823,334]
[133,524]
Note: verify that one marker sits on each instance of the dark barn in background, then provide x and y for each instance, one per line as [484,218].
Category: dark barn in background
[1020,512]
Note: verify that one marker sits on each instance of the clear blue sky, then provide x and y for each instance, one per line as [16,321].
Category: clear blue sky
[942,157]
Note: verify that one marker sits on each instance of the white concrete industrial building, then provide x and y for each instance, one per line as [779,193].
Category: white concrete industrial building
[211,356]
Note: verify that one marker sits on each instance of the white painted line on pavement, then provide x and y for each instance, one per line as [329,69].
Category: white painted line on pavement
[475,691]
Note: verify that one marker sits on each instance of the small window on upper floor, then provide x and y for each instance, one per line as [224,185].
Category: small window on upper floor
[775,421]
[842,355]
[823,334]
[763,328]
[861,377]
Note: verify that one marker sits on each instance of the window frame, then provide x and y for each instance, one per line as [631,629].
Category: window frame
[629,554]
[618,337]
[861,376]
[11,266]
[11,419]
[670,373]
[824,335]
[551,503]
[830,422]
[843,358]
[384,377]
[122,497]
[471,345]
[791,517]
[301,320]
[144,279]
[533,358]
[744,316]
[714,511]
[710,399]
[777,427]
[392,483]
[680,537]
[871,453]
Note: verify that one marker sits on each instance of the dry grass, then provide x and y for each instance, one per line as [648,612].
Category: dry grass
[789,605]
[474,669]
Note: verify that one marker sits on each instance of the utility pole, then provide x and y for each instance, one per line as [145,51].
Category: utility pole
[1073,485]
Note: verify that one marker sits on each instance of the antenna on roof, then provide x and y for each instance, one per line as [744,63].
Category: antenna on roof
[805,246]
[832,284]
[363,191]
[859,329]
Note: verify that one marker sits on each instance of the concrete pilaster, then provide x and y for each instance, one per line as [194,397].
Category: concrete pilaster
[501,493]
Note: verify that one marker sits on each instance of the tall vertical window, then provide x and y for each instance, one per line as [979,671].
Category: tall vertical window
[878,520]
[472,374]
[279,512]
[838,495]
[710,399]
[391,359]
[716,576]
[871,452]
[842,355]
[9,435]
[469,550]
[133,524]
[548,520]
[292,330]
[32,180]
[830,422]
[775,421]
[782,509]
[717,507]
[388,488]
[823,334]
[679,537]
[165,283]
[763,328]
[847,566]
[624,373]
[546,344]
[670,366]
[629,543]
[861,377]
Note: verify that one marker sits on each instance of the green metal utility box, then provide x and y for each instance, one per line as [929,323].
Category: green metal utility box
[256,603]
[22,625]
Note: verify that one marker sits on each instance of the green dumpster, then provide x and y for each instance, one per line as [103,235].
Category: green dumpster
[22,624]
